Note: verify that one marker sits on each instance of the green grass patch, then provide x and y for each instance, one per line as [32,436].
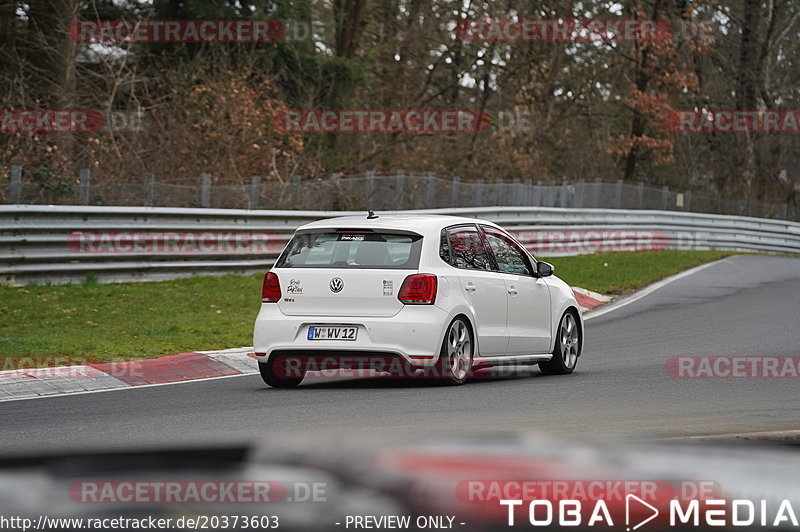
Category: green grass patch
[620,273]
[143,320]
[129,320]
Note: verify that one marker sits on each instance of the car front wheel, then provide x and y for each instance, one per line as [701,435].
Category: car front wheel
[567,349]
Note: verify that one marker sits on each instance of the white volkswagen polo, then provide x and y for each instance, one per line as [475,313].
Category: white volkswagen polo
[441,294]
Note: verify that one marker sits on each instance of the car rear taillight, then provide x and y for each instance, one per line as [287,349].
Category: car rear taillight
[418,289]
[271,289]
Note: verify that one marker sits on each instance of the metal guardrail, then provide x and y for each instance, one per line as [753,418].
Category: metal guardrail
[66,243]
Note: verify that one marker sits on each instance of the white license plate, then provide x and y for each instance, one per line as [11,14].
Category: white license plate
[321,332]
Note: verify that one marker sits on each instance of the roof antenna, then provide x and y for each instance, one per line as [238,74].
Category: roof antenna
[371,215]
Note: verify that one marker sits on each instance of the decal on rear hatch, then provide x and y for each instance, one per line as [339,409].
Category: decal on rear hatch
[295,287]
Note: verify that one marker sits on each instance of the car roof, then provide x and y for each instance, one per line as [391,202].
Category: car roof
[418,223]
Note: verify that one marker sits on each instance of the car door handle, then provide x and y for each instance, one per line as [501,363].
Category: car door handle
[469,287]
[512,291]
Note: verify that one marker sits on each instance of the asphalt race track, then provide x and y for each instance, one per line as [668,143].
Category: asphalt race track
[743,305]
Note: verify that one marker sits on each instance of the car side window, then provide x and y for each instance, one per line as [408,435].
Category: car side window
[467,249]
[509,257]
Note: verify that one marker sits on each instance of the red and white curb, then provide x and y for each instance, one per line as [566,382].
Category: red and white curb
[41,382]
[588,299]
[37,382]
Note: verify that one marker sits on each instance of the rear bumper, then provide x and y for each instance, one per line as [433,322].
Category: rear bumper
[414,335]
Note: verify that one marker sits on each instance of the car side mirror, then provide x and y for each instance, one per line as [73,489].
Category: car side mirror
[544,269]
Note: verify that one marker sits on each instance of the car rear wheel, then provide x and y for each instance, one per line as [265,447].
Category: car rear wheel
[455,358]
[567,349]
[275,379]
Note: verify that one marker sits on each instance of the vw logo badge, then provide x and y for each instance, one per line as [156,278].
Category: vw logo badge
[336,285]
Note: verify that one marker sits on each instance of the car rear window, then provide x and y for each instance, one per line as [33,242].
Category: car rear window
[352,250]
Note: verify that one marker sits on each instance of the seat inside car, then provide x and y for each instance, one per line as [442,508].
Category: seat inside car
[372,253]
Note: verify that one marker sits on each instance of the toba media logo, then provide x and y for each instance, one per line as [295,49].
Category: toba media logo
[638,512]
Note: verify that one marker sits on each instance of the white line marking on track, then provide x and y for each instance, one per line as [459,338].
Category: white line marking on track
[123,388]
[762,435]
[636,296]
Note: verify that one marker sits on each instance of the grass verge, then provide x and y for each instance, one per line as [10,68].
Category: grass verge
[621,273]
[128,320]
[143,320]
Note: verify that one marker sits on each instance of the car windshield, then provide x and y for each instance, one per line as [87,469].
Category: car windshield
[352,250]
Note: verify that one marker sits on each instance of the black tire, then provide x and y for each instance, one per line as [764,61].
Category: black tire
[568,344]
[458,341]
[268,375]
